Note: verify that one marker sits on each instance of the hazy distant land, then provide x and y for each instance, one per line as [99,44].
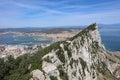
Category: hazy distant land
[56,34]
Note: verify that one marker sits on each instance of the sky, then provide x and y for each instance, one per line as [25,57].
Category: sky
[44,13]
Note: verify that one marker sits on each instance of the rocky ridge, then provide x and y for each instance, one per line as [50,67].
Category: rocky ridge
[82,57]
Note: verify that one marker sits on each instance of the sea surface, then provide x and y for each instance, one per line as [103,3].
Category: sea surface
[11,39]
[111,38]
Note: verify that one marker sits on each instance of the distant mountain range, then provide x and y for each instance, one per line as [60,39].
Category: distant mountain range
[44,29]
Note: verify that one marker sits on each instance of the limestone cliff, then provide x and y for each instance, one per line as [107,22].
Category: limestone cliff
[82,57]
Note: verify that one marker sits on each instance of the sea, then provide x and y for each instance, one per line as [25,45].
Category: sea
[12,39]
[110,37]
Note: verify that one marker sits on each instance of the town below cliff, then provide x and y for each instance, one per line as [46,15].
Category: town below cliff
[81,57]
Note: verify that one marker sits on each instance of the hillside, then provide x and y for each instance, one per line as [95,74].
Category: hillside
[82,57]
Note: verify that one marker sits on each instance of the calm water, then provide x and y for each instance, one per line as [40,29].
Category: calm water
[111,38]
[28,40]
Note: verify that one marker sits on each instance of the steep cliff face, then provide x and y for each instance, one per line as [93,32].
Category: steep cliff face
[82,57]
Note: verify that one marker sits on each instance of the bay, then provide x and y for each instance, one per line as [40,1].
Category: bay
[11,39]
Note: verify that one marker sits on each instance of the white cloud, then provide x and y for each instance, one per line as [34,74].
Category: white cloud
[21,13]
[33,7]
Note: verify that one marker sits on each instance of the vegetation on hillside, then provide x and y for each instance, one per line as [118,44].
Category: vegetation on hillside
[17,69]
[20,68]
[85,31]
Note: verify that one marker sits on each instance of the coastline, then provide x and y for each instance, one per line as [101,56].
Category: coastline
[54,37]
[46,36]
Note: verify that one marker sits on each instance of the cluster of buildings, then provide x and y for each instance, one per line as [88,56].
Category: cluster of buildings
[12,50]
[17,50]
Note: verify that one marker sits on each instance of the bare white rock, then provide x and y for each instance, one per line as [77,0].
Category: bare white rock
[37,75]
[48,67]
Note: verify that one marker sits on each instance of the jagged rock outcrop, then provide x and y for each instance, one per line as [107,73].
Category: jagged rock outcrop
[82,57]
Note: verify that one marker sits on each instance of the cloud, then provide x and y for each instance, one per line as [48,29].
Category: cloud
[33,7]
[63,7]
[111,5]
[57,12]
